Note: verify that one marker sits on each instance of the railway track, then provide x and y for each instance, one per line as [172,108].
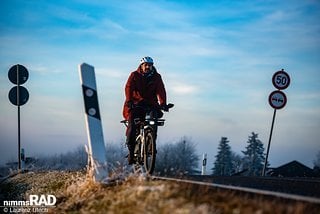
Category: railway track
[297,186]
[271,194]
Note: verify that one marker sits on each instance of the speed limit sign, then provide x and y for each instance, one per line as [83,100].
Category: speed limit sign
[281,80]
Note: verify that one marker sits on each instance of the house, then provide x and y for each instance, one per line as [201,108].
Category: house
[291,169]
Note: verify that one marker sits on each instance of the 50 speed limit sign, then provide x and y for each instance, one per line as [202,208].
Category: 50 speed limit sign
[281,80]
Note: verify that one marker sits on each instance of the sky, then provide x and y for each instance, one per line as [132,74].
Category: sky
[216,59]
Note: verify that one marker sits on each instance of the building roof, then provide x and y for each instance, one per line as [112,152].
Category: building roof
[292,169]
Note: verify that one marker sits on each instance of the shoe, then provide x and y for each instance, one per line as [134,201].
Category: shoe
[130,155]
[130,160]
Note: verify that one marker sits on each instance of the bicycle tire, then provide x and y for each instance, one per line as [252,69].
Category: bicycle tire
[149,153]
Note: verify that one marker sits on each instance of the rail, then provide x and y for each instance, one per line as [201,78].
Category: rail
[245,189]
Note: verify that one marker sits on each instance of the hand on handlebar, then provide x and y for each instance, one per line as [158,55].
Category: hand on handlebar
[166,107]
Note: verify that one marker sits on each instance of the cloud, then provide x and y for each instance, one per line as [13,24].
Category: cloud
[216,60]
[183,89]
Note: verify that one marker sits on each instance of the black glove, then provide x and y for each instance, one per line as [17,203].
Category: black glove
[130,104]
[164,107]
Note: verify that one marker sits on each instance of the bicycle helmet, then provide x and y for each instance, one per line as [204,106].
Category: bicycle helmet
[146,59]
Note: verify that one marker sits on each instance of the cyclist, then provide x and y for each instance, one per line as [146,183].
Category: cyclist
[144,88]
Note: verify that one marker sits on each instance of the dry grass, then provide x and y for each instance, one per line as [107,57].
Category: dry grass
[77,193]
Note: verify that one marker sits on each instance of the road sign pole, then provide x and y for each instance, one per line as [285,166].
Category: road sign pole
[18,96]
[23,159]
[18,104]
[19,142]
[270,136]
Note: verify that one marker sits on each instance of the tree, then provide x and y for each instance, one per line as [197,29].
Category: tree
[316,164]
[174,159]
[115,154]
[187,157]
[237,162]
[72,160]
[165,161]
[254,156]
[223,164]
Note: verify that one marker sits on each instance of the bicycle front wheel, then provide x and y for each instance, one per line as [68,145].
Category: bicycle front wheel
[149,155]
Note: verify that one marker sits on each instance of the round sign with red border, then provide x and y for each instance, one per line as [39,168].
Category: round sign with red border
[277,99]
[281,80]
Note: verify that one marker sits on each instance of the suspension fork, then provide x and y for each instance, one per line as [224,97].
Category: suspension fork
[143,129]
[142,133]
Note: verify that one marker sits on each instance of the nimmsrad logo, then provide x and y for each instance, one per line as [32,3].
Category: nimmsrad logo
[34,200]
[49,200]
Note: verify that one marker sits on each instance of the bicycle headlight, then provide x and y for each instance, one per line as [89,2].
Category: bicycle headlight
[151,122]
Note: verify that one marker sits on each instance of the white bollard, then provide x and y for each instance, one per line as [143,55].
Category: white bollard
[97,150]
[204,164]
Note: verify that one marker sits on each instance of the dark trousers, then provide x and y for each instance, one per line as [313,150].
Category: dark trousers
[132,128]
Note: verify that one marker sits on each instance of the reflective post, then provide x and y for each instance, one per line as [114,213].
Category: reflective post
[97,150]
[204,164]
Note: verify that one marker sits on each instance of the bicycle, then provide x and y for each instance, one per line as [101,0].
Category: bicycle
[145,146]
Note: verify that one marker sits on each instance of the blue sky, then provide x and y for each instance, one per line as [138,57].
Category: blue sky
[216,58]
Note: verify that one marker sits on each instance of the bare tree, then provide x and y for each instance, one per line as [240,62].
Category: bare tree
[116,155]
[178,158]
[73,160]
[237,162]
[165,162]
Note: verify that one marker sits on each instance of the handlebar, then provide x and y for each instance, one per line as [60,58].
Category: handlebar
[161,121]
[167,107]
[146,107]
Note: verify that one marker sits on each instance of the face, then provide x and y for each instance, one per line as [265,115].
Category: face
[145,67]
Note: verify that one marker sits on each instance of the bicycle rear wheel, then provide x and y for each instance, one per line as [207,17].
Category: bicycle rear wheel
[149,155]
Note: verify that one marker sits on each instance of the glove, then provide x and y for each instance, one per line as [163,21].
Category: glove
[164,107]
[130,104]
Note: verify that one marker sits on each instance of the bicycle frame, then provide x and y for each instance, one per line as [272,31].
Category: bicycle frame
[145,147]
[143,126]
[147,125]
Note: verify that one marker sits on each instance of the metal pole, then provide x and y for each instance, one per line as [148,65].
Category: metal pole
[23,159]
[18,104]
[19,139]
[270,136]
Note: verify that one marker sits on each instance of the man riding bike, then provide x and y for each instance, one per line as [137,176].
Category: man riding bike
[144,88]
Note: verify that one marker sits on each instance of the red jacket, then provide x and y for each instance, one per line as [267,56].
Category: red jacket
[140,87]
